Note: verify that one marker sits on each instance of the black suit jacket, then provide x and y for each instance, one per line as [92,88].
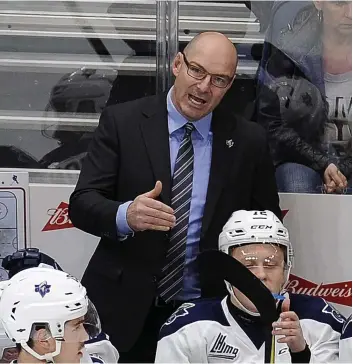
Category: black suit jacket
[128,154]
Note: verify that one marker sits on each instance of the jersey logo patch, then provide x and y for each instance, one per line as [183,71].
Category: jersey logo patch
[180,312]
[220,349]
[333,312]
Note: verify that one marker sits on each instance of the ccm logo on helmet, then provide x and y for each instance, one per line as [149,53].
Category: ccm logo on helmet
[263,227]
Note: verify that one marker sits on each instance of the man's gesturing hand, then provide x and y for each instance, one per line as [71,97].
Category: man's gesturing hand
[145,213]
[289,326]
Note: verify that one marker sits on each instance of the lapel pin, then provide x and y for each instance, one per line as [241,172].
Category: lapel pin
[229,143]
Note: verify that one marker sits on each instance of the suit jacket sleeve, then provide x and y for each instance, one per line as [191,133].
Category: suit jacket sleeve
[265,194]
[92,207]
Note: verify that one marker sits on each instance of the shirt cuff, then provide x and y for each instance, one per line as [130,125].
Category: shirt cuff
[123,228]
[301,357]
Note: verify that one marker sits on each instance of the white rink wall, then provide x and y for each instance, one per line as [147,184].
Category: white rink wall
[320,227]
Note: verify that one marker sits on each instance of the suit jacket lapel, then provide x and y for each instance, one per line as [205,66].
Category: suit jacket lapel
[154,129]
[223,153]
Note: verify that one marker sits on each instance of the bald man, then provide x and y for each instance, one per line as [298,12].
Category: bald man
[162,176]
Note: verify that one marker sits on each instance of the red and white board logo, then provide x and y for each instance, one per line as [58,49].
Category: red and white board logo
[59,218]
[340,292]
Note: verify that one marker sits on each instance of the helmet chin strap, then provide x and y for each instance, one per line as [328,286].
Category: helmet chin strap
[49,357]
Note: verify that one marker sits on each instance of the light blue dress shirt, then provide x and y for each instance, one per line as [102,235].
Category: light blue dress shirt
[202,143]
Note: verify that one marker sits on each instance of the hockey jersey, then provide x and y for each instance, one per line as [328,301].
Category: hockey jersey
[345,346]
[215,331]
[101,350]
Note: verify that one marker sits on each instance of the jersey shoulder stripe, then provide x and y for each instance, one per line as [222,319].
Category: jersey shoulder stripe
[188,313]
[347,329]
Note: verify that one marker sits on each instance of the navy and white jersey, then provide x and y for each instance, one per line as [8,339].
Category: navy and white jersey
[345,346]
[215,331]
[101,350]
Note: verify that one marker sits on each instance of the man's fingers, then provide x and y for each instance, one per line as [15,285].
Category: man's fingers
[286,340]
[286,305]
[329,189]
[154,227]
[337,179]
[286,324]
[343,178]
[286,332]
[158,222]
[159,214]
[288,315]
[330,186]
[157,205]
[156,191]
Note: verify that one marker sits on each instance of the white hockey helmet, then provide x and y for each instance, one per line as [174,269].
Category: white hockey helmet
[255,227]
[40,295]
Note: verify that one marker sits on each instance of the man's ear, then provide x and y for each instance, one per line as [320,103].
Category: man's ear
[43,341]
[231,83]
[177,63]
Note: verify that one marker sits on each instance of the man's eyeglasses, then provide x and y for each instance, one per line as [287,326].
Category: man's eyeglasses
[199,73]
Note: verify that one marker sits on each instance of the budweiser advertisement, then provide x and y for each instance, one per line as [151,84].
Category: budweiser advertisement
[320,228]
[339,292]
[319,225]
[58,218]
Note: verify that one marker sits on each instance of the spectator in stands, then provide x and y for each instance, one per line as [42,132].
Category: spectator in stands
[305,99]
[161,177]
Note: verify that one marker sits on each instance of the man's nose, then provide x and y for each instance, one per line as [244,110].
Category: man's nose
[260,272]
[205,83]
[84,336]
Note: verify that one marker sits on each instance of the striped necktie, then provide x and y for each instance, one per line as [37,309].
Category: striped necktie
[171,282]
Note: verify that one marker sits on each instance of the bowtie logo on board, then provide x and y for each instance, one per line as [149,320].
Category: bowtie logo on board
[59,218]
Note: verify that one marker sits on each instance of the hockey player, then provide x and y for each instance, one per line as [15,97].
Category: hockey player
[345,352]
[43,311]
[98,347]
[230,330]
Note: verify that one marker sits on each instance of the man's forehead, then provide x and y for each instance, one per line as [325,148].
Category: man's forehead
[211,63]
[256,249]
[212,50]
[76,321]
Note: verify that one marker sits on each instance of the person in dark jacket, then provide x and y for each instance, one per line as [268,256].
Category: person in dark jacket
[157,192]
[304,99]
